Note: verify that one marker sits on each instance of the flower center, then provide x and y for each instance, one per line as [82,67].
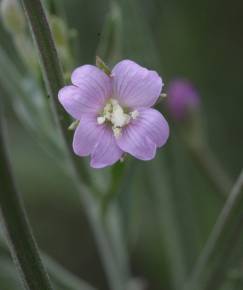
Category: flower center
[114,114]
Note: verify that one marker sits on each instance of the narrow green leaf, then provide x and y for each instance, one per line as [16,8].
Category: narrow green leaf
[21,241]
[167,221]
[222,243]
[62,279]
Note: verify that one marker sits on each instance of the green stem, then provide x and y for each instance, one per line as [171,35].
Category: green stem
[167,220]
[63,278]
[221,241]
[116,177]
[212,170]
[191,131]
[52,73]
[59,275]
[22,244]
[51,68]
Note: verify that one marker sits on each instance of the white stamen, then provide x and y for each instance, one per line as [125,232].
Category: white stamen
[117,131]
[114,102]
[101,120]
[118,117]
[115,114]
[134,114]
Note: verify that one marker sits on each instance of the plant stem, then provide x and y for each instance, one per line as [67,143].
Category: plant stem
[165,210]
[63,278]
[221,240]
[52,73]
[51,68]
[212,170]
[191,131]
[59,275]
[21,241]
[193,136]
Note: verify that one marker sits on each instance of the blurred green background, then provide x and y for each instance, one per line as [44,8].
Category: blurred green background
[168,206]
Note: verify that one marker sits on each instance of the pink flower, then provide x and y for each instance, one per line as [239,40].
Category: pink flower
[115,112]
[183,98]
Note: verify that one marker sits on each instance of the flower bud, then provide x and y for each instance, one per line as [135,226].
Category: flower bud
[61,35]
[183,99]
[102,65]
[27,52]
[59,30]
[12,16]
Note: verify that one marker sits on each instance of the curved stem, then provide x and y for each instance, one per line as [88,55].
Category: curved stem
[21,241]
[211,169]
[63,278]
[192,133]
[166,214]
[60,276]
[222,239]
[52,73]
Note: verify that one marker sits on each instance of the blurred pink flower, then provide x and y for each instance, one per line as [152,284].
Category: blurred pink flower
[182,98]
[115,112]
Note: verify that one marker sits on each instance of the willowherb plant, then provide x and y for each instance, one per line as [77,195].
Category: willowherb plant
[113,117]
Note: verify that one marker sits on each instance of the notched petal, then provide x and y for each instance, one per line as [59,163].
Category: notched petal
[136,144]
[77,101]
[135,86]
[89,77]
[151,123]
[143,135]
[106,152]
[86,136]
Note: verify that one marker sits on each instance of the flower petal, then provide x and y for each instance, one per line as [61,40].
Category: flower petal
[86,135]
[135,143]
[77,101]
[135,86]
[141,137]
[106,151]
[91,79]
[152,124]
